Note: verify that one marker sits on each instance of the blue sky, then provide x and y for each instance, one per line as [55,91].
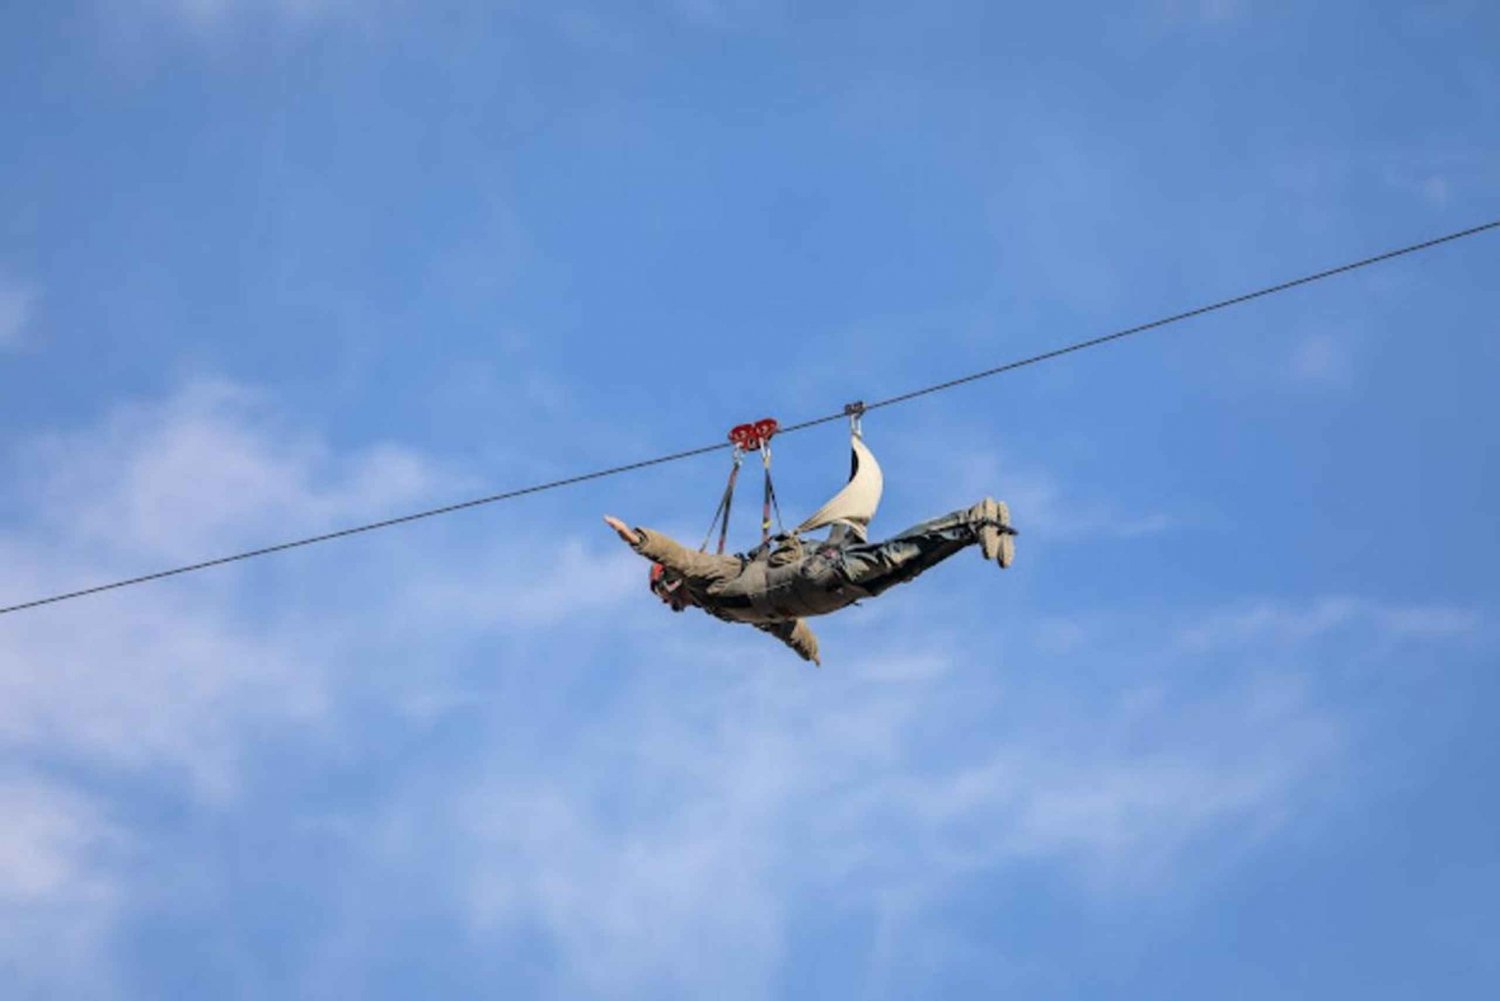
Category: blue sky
[273,267]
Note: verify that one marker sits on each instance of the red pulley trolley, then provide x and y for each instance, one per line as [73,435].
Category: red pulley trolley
[753,437]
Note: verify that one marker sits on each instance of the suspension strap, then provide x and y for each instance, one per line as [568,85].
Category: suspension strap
[768,501]
[746,438]
[757,437]
[721,514]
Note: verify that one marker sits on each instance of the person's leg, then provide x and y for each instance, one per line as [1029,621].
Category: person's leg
[876,566]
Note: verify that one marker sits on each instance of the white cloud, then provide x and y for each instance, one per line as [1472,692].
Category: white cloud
[1041,506]
[44,843]
[165,675]
[655,796]
[58,889]
[17,306]
[177,683]
[169,675]
[722,810]
[718,821]
[167,681]
[208,471]
[1285,624]
[549,595]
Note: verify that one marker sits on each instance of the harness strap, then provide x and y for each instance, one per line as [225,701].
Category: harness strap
[766,495]
[744,438]
[726,502]
[768,500]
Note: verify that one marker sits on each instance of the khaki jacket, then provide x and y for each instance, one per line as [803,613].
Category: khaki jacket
[772,591]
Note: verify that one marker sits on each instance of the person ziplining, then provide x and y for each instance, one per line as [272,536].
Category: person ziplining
[788,578]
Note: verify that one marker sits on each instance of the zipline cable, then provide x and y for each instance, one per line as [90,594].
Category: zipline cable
[704,450]
[1154,324]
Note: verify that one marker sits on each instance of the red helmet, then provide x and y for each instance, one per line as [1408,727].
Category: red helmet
[668,588]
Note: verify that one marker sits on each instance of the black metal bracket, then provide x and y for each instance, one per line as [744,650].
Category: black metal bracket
[854,411]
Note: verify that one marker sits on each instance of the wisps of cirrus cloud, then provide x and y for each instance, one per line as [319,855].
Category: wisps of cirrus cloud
[1053,511]
[211,468]
[167,683]
[1284,624]
[771,798]
[176,685]
[619,762]
[57,899]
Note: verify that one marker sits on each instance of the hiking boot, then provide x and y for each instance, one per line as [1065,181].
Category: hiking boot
[996,538]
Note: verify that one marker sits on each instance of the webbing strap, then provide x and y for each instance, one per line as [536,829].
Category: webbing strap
[721,514]
[768,502]
[746,437]
[728,503]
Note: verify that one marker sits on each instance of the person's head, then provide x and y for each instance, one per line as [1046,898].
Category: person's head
[670,587]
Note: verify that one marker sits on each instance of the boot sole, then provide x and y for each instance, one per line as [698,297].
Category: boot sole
[995,541]
[1007,549]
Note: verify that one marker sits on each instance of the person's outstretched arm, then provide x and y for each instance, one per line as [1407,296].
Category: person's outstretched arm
[796,635]
[674,555]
